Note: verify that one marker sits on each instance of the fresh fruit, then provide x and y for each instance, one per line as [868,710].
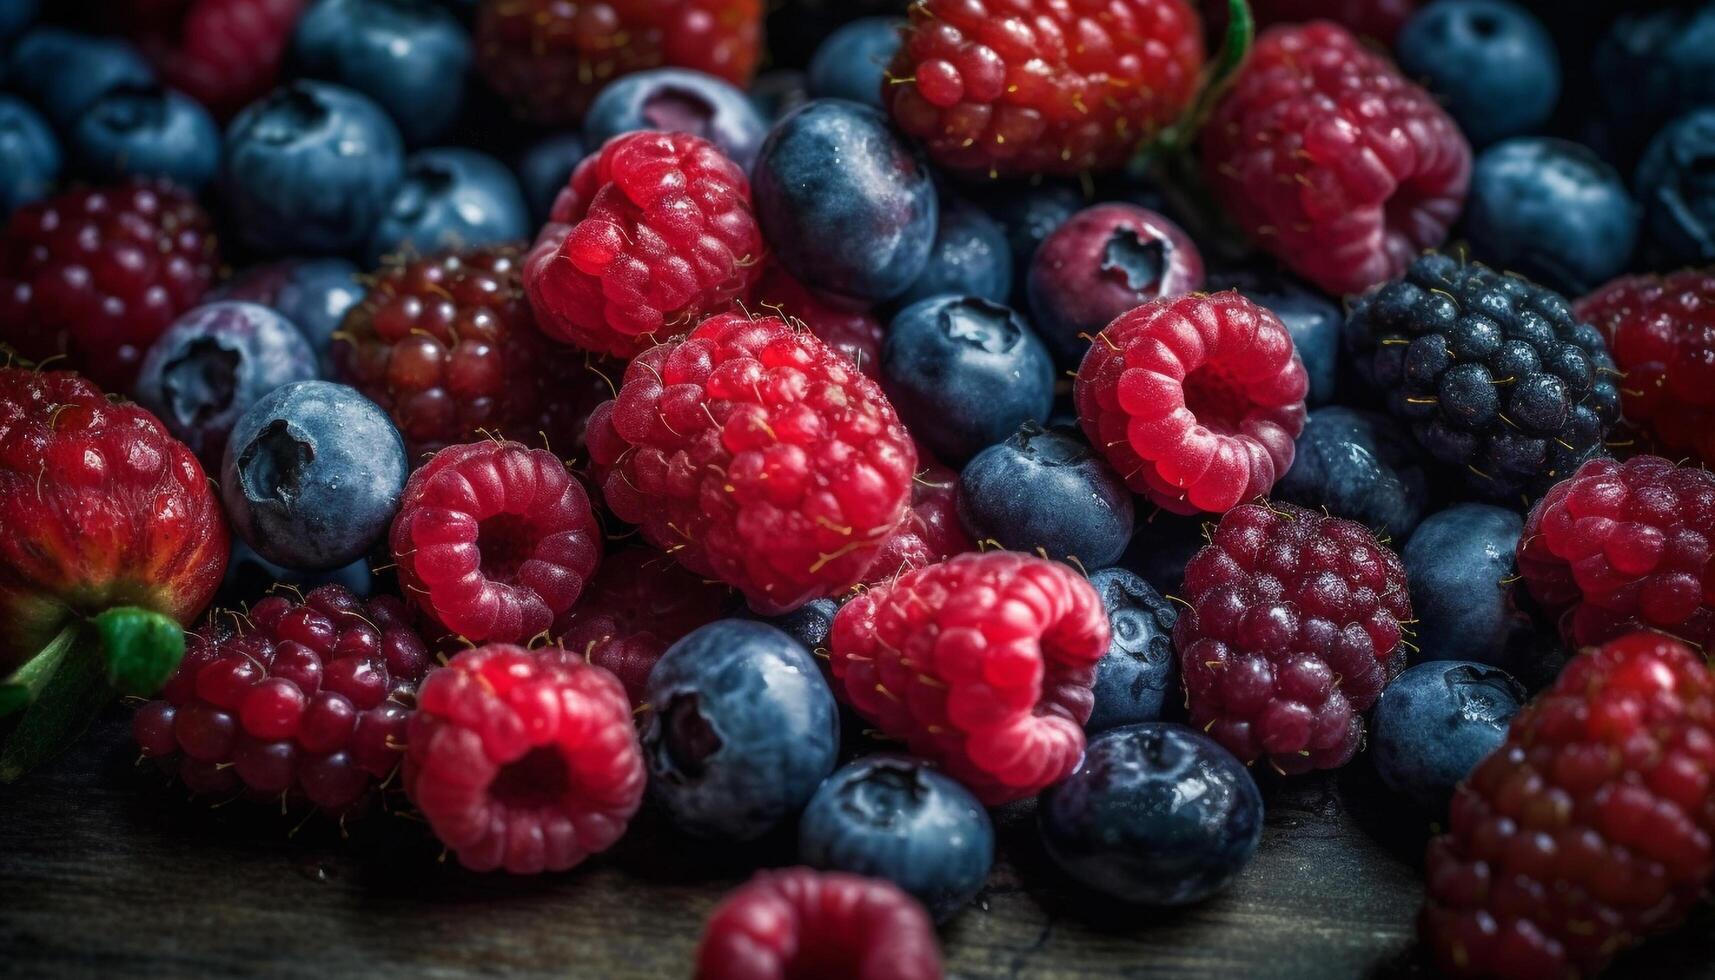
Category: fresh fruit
[314,294]
[545,167]
[854,332]
[249,575]
[1195,400]
[676,100]
[1046,492]
[63,73]
[1137,673]
[1460,570]
[1652,65]
[450,198]
[1378,20]
[1358,465]
[1313,320]
[755,454]
[970,257]
[411,58]
[523,760]
[1029,212]
[223,53]
[982,664]
[1490,62]
[1435,722]
[1675,190]
[1294,624]
[1333,161]
[30,156]
[851,62]
[146,131]
[931,531]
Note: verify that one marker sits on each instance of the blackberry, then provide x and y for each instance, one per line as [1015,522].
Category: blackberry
[1493,373]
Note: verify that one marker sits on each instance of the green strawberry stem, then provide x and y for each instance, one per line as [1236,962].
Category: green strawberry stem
[27,682]
[1235,47]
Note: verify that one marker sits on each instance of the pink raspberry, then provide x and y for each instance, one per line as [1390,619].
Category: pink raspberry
[931,531]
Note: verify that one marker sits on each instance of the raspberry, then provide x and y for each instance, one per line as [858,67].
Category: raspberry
[551,57]
[1194,399]
[301,699]
[1492,372]
[98,274]
[1623,546]
[1661,330]
[983,663]
[755,454]
[449,347]
[1332,160]
[931,531]
[494,539]
[523,760]
[1293,629]
[1589,829]
[855,333]
[654,232]
[223,53]
[798,924]
[1031,87]
[633,610]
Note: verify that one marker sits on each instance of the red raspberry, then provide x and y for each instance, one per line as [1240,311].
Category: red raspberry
[982,663]
[799,924]
[1589,829]
[523,760]
[931,531]
[1378,19]
[223,53]
[1623,546]
[494,539]
[633,610]
[854,332]
[1194,399]
[1293,629]
[654,233]
[1330,159]
[1028,87]
[98,274]
[551,57]
[1661,330]
[755,454]
[301,699]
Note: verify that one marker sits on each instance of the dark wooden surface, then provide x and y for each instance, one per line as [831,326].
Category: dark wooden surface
[106,870]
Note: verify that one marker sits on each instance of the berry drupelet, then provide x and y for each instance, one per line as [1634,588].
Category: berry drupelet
[223,53]
[931,531]
[846,327]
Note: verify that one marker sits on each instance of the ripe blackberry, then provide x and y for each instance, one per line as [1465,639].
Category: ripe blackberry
[1293,630]
[305,699]
[1494,374]
[1590,828]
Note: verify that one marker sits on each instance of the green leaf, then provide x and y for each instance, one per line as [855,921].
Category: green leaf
[62,709]
[140,647]
[26,683]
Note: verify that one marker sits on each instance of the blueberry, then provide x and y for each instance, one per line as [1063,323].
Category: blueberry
[965,373]
[1490,62]
[1551,210]
[845,204]
[1676,185]
[1155,814]
[1046,491]
[1161,548]
[776,93]
[677,100]
[15,15]
[545,168]
[29,155]
[1135,675]
[215,362]
[809,624]
[851,62]
[63,73]
[410,56]
[147,131]
[1459,566]
[1360,465]
[1435,722]
[310,168]
[744,729]
[312,293]
[450,198]
[1030,214]
[1314,321]
[893,817]
[970,257]
[312,475]
[1652,66]
[249,575]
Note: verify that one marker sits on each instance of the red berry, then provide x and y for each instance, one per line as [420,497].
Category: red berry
[493,540]
[523,760]
[982,663]
[931,531]
[1589,828]
[1330,159]
[799,924]
[1195,400]
[754,454]
[854,332]
[1029,87]
[223,53]
[98,274]
[1293,629]
[1377,19]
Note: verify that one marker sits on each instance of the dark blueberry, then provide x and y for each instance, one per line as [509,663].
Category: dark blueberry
[312,293]
[450,198]
[312,475]
[809,624]
[147,131]
[893,817]
[676,100]
[1030,214]
[1155,814]
[1435,722]
[776,93]
[965,373]
[1360,465]
[1313,320]
[410,56]
[1100,263]
[1046,491]
[743,730]
[1459,566]
[62,73]
[215,362]
[29,155]
[970,258]
[1653,66]
[1676,186]
[249,576]
[1551,210]
[1135,675]
[851,63]
[310,168]
[545,168]
[845,205]
[1490,62]
[15,15]
[1162,546]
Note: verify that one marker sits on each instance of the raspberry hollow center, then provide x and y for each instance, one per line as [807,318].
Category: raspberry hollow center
[537,778]
[1216,400]
[506,541]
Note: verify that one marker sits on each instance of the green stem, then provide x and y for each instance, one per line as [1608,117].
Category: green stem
[1235,48]
[141,648]
[27,682]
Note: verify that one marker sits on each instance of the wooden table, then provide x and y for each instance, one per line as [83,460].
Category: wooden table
[106,869]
